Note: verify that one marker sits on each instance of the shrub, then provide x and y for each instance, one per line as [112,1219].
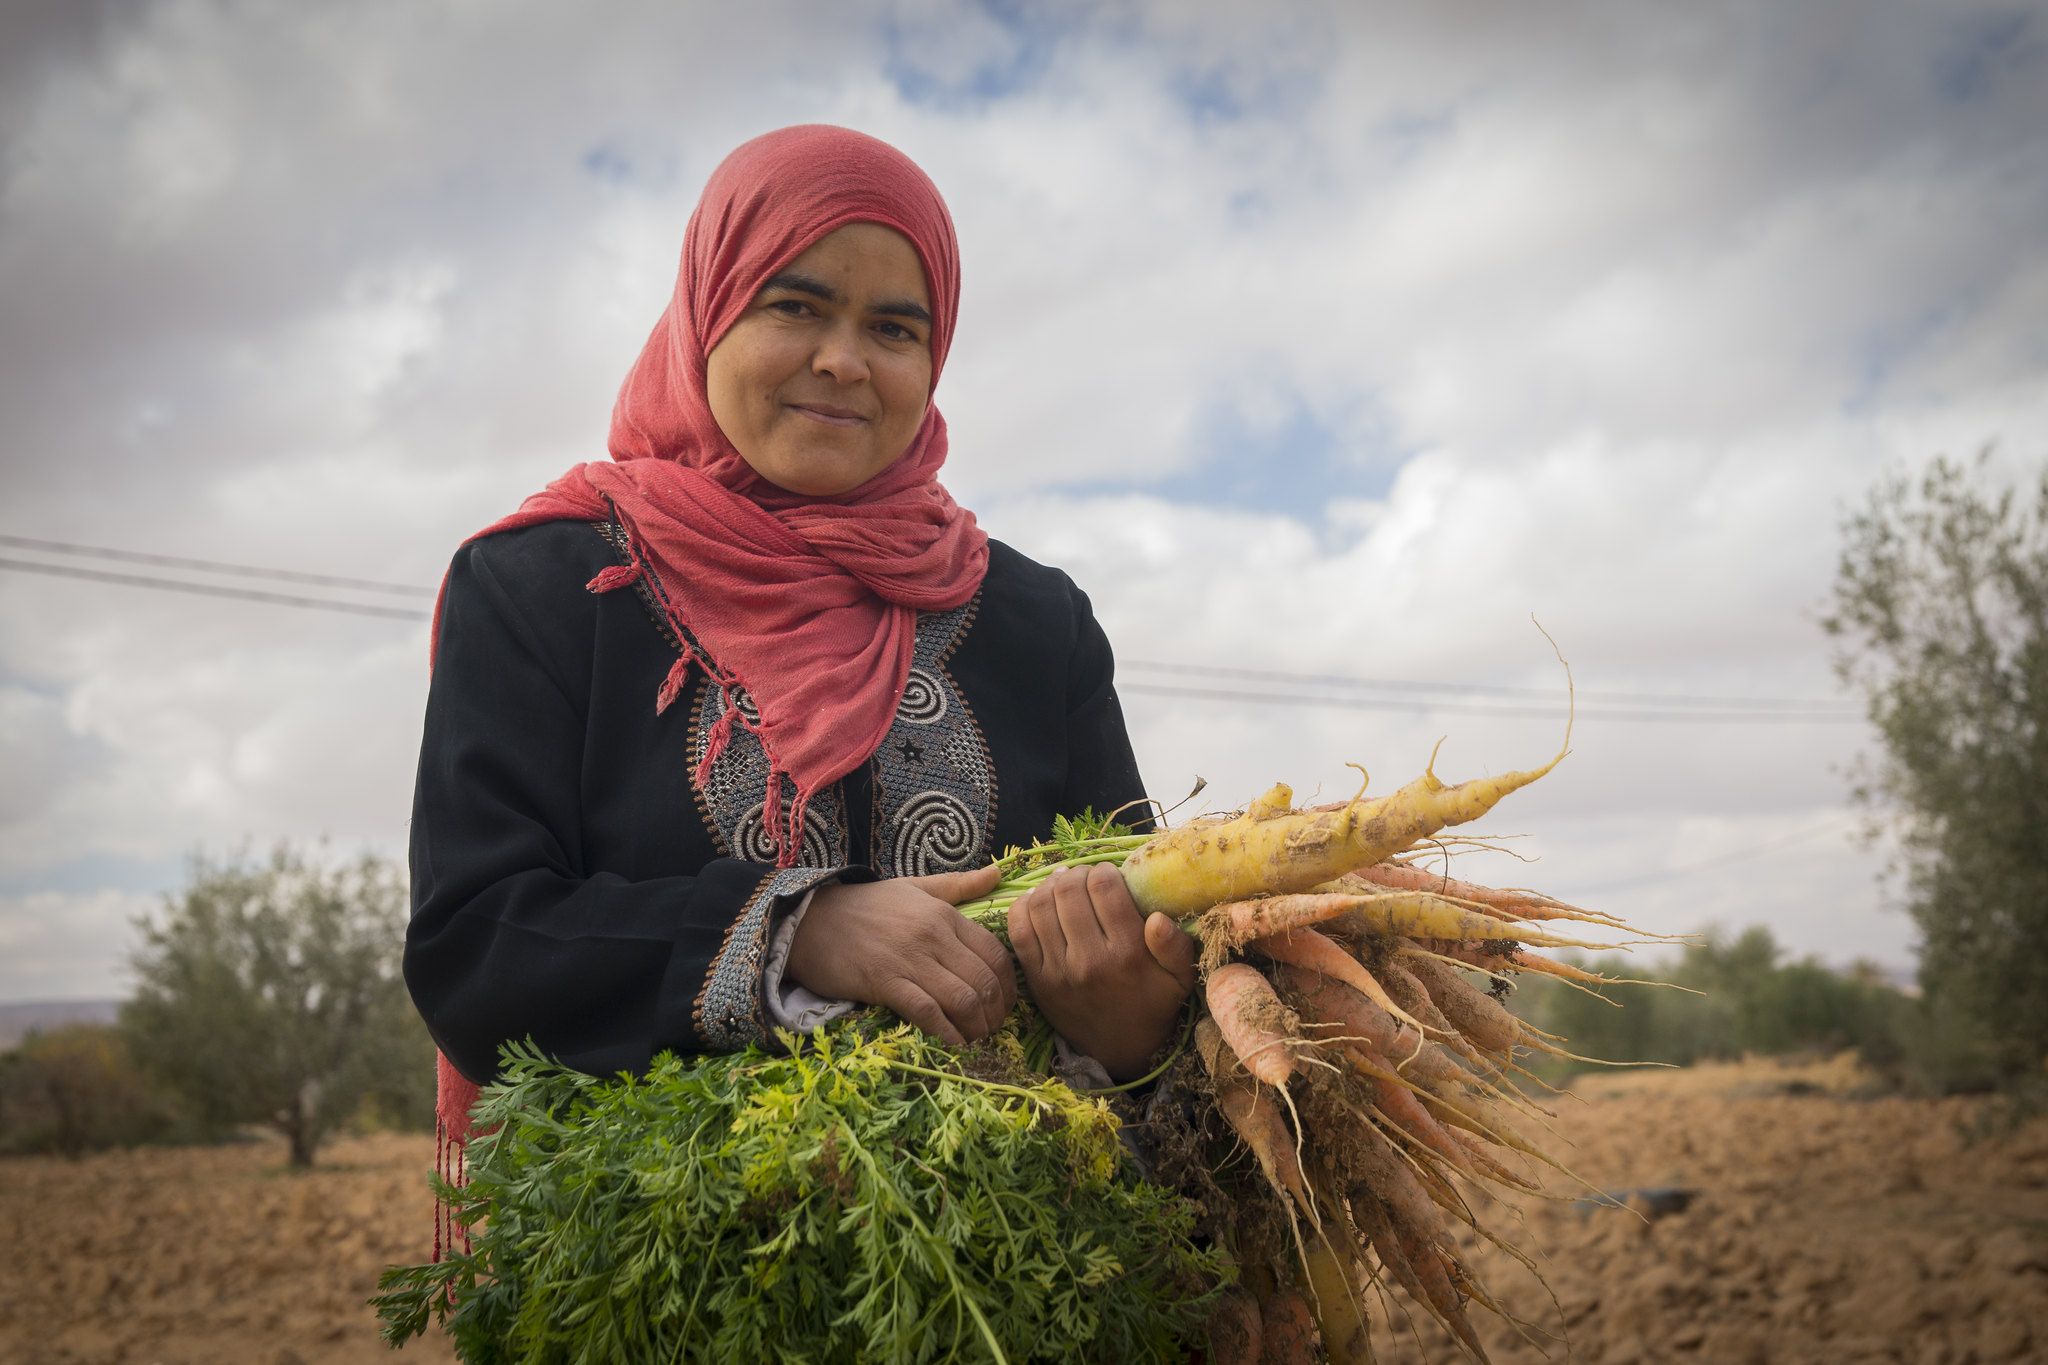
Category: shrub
[73,1090]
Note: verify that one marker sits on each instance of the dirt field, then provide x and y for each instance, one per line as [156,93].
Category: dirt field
[209,1255]
[1824,1228]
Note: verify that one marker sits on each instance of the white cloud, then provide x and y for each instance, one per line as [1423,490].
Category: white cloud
[1601,314]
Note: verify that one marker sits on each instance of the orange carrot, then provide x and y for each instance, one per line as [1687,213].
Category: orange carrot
[1406,989]
[1250,1114]
[1516,904]
[1372,1157]
[1440,1294]
[1309,949]
[1476,955]
[1288,1330]
[1369,1215]
[1233,1330]
[1257,1027]
[1407,1113]
[1478,1015]
[1326,1001]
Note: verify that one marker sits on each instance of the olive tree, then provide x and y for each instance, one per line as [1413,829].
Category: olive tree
[1941,615]
[269,992]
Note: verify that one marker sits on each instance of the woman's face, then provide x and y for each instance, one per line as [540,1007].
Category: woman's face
[824,380]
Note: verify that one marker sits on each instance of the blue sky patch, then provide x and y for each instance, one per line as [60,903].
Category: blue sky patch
[1982,50]
[1293,462]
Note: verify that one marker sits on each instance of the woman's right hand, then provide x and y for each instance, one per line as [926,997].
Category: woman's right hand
[901,944]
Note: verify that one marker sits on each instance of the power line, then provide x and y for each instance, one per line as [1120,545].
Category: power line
[1422,705]
[65,547]
[276,599]
[1825,704]
[1832,822]
[1627,706]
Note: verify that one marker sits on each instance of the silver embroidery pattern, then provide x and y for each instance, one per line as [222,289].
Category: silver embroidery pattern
[729,1014]
[935,789]
[734,792]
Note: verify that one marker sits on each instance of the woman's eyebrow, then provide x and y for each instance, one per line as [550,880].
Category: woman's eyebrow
[804,284]
[809,284]
[903,308]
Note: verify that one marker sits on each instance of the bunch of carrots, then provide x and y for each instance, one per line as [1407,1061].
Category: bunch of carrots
[1341,1041]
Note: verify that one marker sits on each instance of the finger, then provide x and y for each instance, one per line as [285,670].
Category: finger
[965,988]
[1172,949]
[1045,922]
[1087,941]
[1024,938]
[1115,911]
[916,1004]
[955,887]
[990,950]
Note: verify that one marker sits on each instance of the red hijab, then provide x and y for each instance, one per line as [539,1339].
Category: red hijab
[809,604]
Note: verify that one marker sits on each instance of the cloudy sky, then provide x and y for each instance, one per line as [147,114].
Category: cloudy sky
[1322,340]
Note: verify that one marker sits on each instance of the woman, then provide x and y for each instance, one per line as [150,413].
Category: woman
[721,731]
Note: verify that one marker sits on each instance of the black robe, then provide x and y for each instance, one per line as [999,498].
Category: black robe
[572,884]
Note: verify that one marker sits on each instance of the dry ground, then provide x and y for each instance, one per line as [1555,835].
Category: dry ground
[210,1255]
[1827,1228]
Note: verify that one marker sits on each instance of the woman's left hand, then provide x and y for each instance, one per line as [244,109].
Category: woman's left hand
[1108,978]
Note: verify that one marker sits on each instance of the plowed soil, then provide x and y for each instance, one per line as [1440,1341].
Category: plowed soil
[210,1255]
[1823,1226]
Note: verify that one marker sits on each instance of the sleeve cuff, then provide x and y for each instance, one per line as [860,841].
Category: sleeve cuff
[788,1005]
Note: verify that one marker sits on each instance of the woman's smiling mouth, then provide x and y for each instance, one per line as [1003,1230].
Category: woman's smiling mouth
[831,416]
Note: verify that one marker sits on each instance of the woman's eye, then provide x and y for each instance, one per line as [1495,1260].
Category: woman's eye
[794,308]
[896,331]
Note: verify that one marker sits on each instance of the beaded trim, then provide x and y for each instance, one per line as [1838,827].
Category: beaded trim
[935,788]
[729,1013]
[732,795]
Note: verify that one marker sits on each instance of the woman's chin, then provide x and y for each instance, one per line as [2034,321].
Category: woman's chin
[815,473]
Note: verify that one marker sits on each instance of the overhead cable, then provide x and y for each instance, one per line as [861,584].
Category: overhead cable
[276,599]
[1482,689]
[1421,705]
[65,547]
[1291,689]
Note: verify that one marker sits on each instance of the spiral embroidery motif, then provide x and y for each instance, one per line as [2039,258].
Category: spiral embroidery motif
[934,833]
[750,841]
[934,785]
[924,699]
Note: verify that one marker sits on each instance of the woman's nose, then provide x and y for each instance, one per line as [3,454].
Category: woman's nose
[841,355]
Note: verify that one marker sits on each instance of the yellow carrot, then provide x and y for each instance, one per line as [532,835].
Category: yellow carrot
[1404,914]
[1340,1311]
[1270,849]
[1506,904]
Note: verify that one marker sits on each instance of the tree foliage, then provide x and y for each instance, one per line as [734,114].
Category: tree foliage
[73,1090]
[1941,614]
[1737,995]
[270,993]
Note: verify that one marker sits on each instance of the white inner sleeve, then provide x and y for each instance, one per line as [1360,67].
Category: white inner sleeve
[800,1009]
[790,1006]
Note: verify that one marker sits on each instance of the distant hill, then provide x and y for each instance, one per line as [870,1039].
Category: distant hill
[22,1017]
